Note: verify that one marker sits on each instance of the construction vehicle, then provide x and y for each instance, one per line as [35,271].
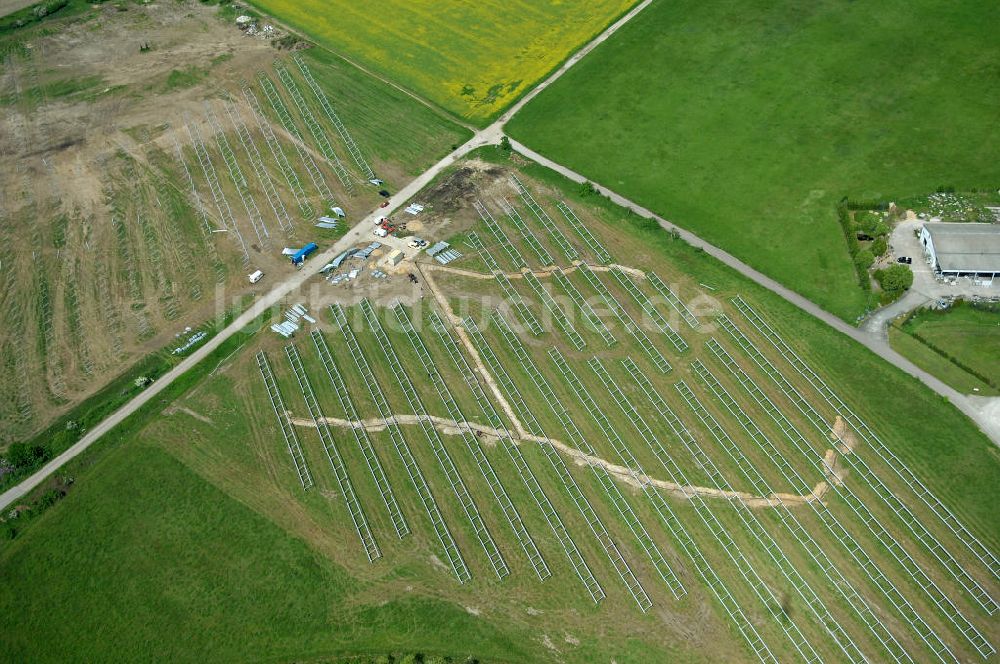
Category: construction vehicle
[384,227]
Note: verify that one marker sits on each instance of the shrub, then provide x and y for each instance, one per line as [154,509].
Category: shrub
[865,205]
[894,279]
[22,455]
[868,223]
[863,260]
[844,217]
[288,42]
[879,247]
[50,498]
[505,143]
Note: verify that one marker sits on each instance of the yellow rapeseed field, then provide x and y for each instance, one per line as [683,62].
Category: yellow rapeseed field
[472,57]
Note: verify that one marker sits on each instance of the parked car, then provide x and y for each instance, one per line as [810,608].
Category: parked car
[906,260]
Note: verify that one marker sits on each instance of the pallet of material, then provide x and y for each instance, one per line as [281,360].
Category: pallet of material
[367,251]
[448,256]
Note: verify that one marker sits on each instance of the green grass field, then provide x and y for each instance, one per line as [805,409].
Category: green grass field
[960,345]
[163,565]
[190,537]
[747,122]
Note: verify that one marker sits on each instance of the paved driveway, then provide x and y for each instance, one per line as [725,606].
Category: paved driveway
[927,287]
[904,242]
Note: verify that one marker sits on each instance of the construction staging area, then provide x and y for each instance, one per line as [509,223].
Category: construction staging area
[138,188]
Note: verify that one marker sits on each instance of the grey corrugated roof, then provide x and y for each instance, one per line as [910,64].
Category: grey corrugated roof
[966,247]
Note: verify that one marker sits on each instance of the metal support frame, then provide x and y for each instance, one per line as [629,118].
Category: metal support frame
[750,521]
[195,198]
[638,530]
[254,156]
[648,308]
[721,534]
[569,546]
[287,432]
[527,234]
[874,526]
[333,455]
[437,446]
[546,221]
[986,557]
[314,126]
[787,517]
[625,320]
[489,412]
[285,119]
[500,236]
[420,485]
[860,468]
[361,435]
[469,437]
[221,204]
[525,314]
[285,166]
[676,302]
[597,526]
[239,180]
[598,249]
[334,118]
[588,311]
[560,316]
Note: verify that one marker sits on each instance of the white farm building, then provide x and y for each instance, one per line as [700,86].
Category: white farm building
[962,249]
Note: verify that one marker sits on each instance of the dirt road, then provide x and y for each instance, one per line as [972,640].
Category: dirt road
[625,475]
